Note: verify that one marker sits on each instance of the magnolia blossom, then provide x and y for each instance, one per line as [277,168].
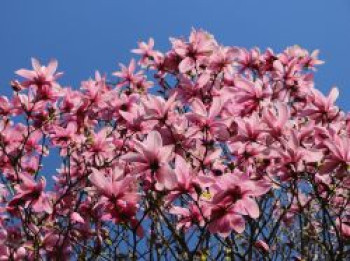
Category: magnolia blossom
[153,158]
[203,151]
[30,193]
[234,197]
[41,75]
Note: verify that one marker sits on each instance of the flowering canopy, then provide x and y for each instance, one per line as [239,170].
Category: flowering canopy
[204,152]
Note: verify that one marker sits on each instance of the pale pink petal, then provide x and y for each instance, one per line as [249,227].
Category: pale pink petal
[154,141]
[52,67]
[198,107]
[251,207]
[179,211]
[166,177]
[244,84]
[165,153]
[26,74]
[98,179]
[36,65]
[215,108]
[278,66]
[186,65]
[333,95]
[133,157]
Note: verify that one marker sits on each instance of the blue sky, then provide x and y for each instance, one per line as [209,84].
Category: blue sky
[85,35]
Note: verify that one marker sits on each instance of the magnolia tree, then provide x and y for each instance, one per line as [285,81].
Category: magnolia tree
[203,152]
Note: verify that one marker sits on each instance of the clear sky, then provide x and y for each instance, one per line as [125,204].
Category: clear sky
[85,35]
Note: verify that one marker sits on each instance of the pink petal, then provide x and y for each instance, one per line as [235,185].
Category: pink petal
[98,179]
[333,95]
[215,108]
[198,107]
[251,207]
[26,74]
[237,223]
[52,67]
[154,141]
[36,65]
[77,217]
[166,177]
[186,65]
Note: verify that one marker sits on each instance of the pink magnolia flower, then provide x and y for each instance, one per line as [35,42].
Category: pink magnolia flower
[239,190]
[249,129]
[250,59]
[222,59]
[224,220]
[250,95]
[187,217]
[294,155]
[308,60]
[200,46]
[33,142]
[100,144]
[127,74]
[146,51]
[28,103]
[76,217]
[188,182]
[95,91]
[145,48]
[41,75]
[64,136]
[322,108]
[123,103]
[72,100]
[339,156]
[233,197]
[119,195]
[286,71]
[156,108]
[152,157]
[31,194]
[207,120]
[276,120]
[135,120]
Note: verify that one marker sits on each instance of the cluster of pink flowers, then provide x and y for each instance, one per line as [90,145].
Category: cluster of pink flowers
[205,150]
